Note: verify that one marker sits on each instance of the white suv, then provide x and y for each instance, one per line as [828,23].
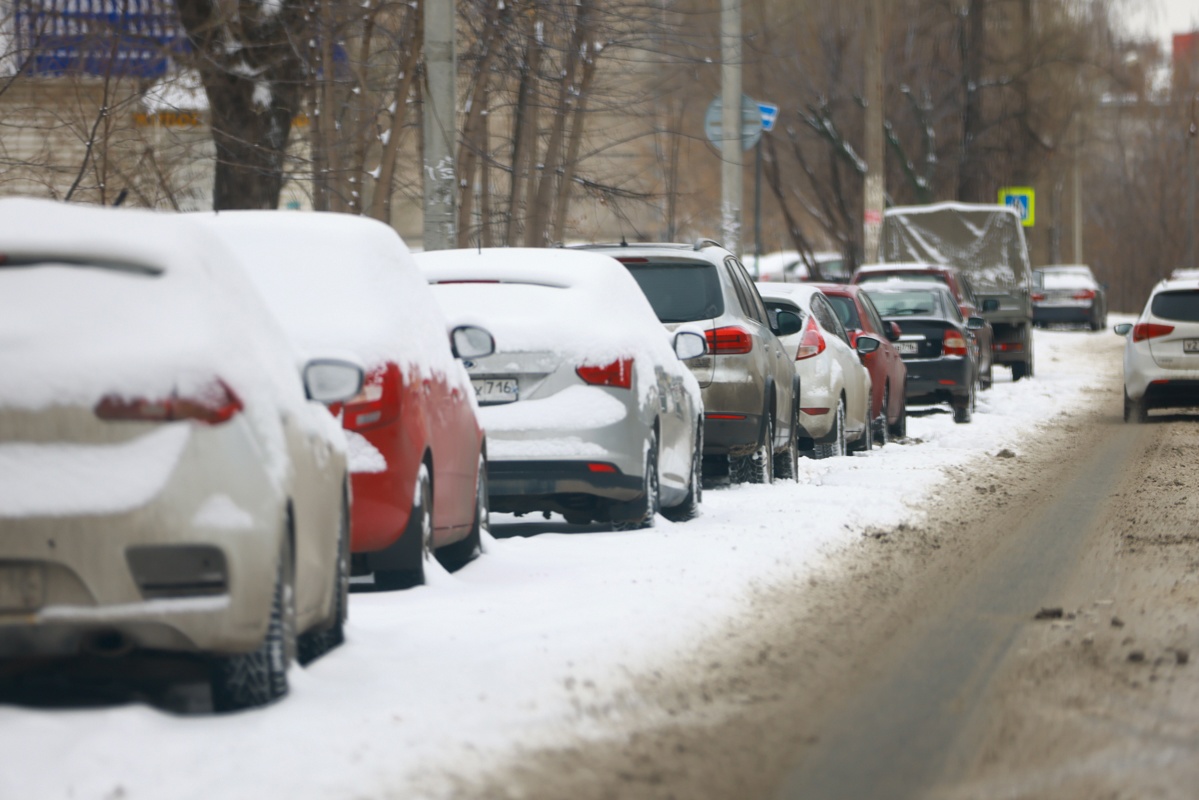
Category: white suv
[1161,356]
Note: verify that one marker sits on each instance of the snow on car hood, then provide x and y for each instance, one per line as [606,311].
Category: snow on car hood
[341,282]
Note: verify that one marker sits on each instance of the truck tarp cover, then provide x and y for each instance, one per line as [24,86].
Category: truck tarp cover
[986,241]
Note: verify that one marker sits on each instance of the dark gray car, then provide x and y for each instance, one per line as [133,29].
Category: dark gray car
[748,382]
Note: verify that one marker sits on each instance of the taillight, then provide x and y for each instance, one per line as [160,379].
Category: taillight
[1149,330]
[953,344]
[377,403]
[812,342]
[1037,297]
[1085,294]
[211,405]
[728,341]
[618,374]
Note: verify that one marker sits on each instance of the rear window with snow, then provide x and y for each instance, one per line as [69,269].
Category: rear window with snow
[930,277]
[1182,306]
[907,304]
[680,291]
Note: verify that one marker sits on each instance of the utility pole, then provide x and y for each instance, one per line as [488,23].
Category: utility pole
[872,217]
[440,126]
[1192,132]
[730,125]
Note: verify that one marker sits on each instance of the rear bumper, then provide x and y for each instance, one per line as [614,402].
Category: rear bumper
[519,486]
[1170,393]
[938,380]
[1063,314]
[735,435]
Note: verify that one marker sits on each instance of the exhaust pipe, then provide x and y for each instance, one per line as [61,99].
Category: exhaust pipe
[108,644]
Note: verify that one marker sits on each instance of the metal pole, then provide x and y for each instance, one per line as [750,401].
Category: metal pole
[440,129]
[757,205]
[872,217]
[731,157]
[1190,141]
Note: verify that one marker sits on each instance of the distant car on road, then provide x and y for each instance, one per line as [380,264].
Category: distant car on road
[749,386]
[835,387]
[168,483]
[789,266]
[1068,294]
[937,343]
[588,409]
[1161,354]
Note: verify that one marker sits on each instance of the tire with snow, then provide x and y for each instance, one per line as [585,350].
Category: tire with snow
[259,677]
[786,463]
[689,508]
[1135,411]
[420,531]
[881,428]
[899,428]
[313,644]
[639,514]
[837,447]
[459,554]
[761,463]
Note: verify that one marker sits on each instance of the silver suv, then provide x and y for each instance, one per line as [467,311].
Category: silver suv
[749,384]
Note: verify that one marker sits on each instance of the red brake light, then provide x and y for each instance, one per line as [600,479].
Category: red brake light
[618,374]
[1038,297]
[1149,330]
[953,344]
[212,405]
[377,403]
[1085,294]
[812,343]
[728,341]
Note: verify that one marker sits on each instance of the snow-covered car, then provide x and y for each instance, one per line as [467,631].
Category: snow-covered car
[937,343]
[1161,354]
[835,387]
[750,389]
[789,266]
[1068,294]
[168,480]
[589,411]
[349,283]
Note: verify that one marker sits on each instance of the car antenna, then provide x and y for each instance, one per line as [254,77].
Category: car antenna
[623,242]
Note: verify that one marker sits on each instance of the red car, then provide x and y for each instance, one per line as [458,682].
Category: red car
[888,373]
[416,449]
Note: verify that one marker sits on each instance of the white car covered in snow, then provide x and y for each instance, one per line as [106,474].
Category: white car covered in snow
[588,409]
[1161,354]
[834,384]
[165,482]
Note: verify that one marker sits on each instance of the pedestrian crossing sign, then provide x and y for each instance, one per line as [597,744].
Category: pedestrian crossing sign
[1024,200]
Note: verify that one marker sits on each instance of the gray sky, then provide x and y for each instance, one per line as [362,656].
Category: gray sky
[1162,18]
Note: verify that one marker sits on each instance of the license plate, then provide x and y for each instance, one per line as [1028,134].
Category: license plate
[21,587]
[908,348]
[1190,345]
[490,391]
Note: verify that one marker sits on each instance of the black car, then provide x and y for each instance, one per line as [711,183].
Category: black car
[936,342]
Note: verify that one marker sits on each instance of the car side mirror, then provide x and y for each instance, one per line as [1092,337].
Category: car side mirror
[894,331]
[332,380]
[990,304]
[470,341]
[1123,328]
[786,323]
[689,345]
[976,323]
[866,344]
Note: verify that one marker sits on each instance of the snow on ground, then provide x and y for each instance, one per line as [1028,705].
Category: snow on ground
[457,673]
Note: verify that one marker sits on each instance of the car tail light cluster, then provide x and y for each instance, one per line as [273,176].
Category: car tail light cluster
[1149,330]
[1085,294]
[1038,297]
[212,405]
[811,343]
[618,374]
[728,341]
[953,344]
[377,403]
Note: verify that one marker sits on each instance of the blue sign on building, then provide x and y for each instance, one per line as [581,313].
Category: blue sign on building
[97,37]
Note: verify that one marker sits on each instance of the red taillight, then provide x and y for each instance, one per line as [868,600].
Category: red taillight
[1037,297]
[377,403]
[618,374]
[728,341]
[1149,330]
[212,405]
[1085,294]
[812,342]
[953,344]
[599,466]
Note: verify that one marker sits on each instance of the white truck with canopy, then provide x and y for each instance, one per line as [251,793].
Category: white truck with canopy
[987,243]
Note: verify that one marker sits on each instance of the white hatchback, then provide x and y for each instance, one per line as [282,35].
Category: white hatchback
[1161,355]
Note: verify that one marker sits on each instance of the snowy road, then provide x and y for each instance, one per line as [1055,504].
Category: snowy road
[538,641]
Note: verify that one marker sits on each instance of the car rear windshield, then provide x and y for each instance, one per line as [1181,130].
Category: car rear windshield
[847,311]
[1182,306]
[907,304]
[680,291]
[932,277]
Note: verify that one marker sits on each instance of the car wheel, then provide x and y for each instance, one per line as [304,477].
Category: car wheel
[639,514]
[987,379]
[1019,370]
[689,508]
[899,428]
[1135,411]
[459,554]
[963,408]
[761,469]
[313,644]
[786,463]
[881,428]
[420,527]
[248,680]
[836,447]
